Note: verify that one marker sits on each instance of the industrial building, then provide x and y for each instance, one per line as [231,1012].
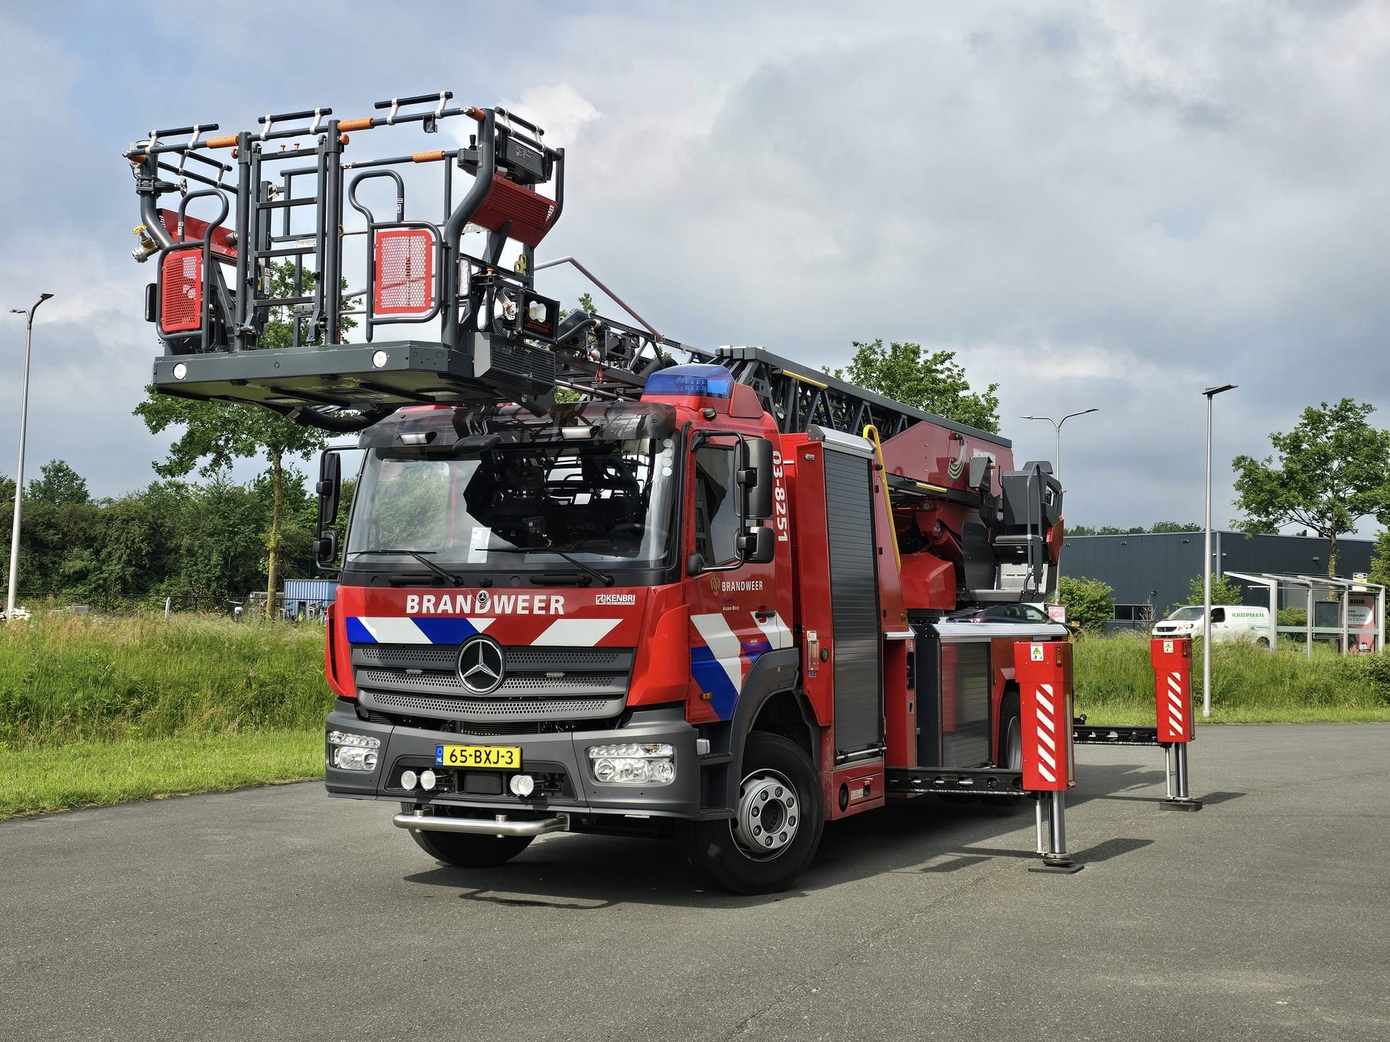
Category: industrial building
[1150,572]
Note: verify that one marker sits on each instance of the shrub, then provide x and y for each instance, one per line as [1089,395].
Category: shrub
[1090,603]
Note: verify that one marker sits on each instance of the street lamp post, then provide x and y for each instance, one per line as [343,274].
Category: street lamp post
[19,469]
[1209,393]
[1057,470]
[1057,426]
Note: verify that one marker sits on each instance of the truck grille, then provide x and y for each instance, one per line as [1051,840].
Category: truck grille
[538,684]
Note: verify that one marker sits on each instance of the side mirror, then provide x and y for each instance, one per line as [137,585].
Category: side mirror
[329,487]
[755,546]
[326,549]
[755,478]
[695,564]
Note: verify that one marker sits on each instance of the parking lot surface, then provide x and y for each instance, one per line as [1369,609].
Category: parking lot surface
[278,913]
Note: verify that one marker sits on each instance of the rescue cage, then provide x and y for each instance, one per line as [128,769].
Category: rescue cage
[291,198]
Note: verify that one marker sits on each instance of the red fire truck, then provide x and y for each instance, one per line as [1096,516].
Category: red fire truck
[713,595]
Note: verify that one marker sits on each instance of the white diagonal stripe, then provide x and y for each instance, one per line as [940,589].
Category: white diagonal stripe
[775,630]
[481,624]
[1175,723]
[1047,775]
[1047,757]
[722,641]
[575,633]
[1045,702]
[393,629]
[1047,738]
[1045,720]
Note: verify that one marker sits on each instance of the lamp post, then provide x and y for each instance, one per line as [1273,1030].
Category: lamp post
[19,469]
[1209,393]
[1057,425]
[1057,470]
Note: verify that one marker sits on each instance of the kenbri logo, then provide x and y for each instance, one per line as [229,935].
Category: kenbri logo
[494,604]
[615,598]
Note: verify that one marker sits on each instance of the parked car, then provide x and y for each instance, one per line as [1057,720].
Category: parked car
[1229,622]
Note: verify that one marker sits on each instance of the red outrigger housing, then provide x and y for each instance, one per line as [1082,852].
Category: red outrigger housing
[181,290]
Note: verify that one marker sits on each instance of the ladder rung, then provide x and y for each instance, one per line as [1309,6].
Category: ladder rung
[287,251]
[284,204]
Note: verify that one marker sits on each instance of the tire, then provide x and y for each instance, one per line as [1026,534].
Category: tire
[779,784]
[1011,734]
[464,851]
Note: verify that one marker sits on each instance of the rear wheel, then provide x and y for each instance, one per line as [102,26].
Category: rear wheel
[777,823]
[1011,733]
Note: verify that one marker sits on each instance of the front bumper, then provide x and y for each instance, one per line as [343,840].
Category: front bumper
[555,755]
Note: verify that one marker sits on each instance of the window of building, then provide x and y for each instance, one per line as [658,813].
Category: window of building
[1134,612]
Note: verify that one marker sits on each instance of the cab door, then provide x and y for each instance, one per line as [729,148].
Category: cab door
[734,616]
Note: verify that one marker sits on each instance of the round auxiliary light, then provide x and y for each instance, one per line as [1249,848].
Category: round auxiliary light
[408,779]
[522,785]
[180,371]
[427,780]
[379,359]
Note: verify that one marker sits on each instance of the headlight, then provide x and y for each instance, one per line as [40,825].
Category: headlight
[353,752]
[633,763]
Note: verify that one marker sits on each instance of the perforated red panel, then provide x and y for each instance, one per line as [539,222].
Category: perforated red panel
[528,212]
[404,272]
[194,229]
[181,290]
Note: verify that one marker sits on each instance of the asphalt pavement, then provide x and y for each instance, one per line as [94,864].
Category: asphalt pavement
[277,913]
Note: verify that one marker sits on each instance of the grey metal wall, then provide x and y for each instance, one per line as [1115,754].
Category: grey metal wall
[1156,568]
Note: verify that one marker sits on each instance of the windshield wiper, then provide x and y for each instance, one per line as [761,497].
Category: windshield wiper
[421,556]
[602,577]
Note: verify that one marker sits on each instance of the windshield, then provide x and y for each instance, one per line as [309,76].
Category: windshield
[1186,615]
[604,502]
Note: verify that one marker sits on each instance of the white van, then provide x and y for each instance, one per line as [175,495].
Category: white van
[1228,622]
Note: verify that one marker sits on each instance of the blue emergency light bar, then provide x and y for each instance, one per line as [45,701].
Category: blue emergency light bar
[703,381]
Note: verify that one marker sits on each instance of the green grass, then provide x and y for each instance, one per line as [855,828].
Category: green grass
[98,710]
[98,774]
[1114,683]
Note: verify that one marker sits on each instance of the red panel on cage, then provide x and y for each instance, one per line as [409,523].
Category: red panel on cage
[181,290]
[528,213]
[194,230]
[404,282]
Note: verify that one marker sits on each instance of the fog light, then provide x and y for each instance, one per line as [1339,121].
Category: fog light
[522,785]
[408,779]
[180,371]
[379,359]
[427,780]
[633,763]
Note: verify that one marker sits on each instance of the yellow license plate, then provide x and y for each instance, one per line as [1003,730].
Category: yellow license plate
[493,757]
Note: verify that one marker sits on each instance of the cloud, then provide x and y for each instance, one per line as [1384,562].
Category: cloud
[1093,204]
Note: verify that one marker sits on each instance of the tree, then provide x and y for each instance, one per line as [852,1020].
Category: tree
[1223,591]
[58,485]
[932,381]
[1174,526]
[1333,469]
[216,433]
[1090,603]
[1380,558]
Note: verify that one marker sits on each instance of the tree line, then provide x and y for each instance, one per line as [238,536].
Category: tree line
[201,544]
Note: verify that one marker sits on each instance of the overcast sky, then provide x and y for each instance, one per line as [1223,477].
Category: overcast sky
[1106,205]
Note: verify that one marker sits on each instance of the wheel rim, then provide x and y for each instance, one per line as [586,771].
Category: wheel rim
[768,815]
[1013,746]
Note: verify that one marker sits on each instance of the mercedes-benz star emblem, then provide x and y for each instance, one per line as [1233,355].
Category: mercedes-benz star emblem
[481,665]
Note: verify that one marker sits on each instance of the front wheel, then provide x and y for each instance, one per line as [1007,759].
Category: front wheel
[464,851]
[777,824]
